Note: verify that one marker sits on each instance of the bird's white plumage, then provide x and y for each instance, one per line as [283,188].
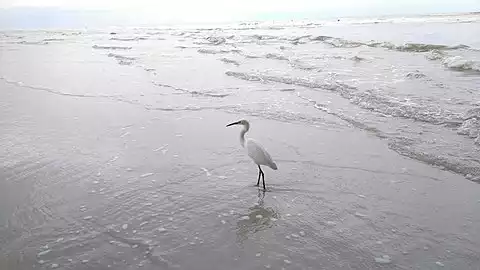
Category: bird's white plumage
[259,155]
[255,151]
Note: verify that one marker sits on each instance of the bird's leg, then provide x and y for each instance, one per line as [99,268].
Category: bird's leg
[259,174]
[263,178]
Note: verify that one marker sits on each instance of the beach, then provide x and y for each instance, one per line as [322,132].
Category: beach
[115,152]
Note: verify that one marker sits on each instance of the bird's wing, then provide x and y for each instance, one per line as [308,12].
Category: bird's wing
[258,153]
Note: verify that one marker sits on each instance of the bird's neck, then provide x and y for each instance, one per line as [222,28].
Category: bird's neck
[242,136]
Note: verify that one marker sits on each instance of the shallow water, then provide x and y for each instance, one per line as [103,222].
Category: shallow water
[115,153]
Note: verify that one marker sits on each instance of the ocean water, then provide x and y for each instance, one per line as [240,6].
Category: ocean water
[375,124]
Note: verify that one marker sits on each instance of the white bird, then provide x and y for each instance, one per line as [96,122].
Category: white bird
[255,151]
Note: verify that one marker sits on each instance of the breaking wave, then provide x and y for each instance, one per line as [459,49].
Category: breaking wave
[128,38]
[461,64]
[209,51]
[407,47]
[111,47]
[121,59]
[368,100]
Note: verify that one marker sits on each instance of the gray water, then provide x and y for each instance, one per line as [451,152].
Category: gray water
[115,154]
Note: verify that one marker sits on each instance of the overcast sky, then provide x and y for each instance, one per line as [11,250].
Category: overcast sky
[222,10]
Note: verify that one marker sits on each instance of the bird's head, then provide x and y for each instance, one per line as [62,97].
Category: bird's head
[241,122]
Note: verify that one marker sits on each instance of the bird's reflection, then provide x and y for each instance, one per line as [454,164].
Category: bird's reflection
[259,218]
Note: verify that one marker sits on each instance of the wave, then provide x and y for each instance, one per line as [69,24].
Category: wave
[406,146]
[122,60]
[276,56]
[407,47]
[469,170]
[193,92]
[53,39]
[417,47]
[24,42]
[209,51]
[435,55]
[128,38]
[461,64]
[368,100]
[263,37]
[216,40]
[111,47]
[229,61]
[415,75]
[471,124]
[52,91]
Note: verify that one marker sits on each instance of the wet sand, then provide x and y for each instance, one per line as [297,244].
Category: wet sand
[97,184]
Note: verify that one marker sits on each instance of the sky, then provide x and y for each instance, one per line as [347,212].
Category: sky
[31,13]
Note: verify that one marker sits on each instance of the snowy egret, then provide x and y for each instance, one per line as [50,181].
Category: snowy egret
[255,151]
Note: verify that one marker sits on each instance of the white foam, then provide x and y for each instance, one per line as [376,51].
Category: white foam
[258,254]
[223,221]
[160,148]
[360,215]
[54,265]
[170,218]
[385,259]
[43,252]
[84,261]
[41,262]
[294,235]
[59,240]
[258,216]
[87,217]
[361,196]
[245,218]
[162,229]
[125,226]
[268,266]
[146,175]
[302,233]
[440,264]
[143,223]
[287,261]
[206,171]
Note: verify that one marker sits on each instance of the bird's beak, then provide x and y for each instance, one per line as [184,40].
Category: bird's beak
[235,123]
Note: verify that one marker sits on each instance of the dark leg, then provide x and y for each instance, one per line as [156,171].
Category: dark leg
[259,174]
[263,177]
